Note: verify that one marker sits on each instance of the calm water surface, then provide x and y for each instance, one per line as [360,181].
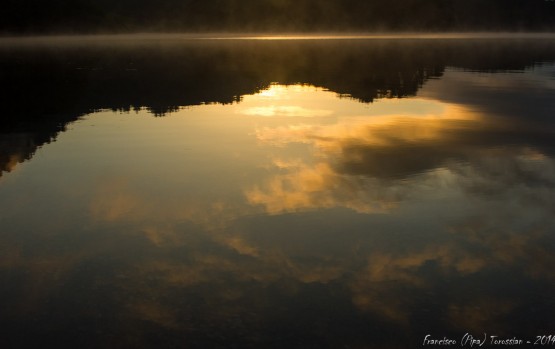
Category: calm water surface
[265,194]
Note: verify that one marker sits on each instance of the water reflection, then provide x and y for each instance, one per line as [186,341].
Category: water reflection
[294,217]
[73,77]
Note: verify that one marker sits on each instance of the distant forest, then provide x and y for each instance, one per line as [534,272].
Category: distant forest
[101,16]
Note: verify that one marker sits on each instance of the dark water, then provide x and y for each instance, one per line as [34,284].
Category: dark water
[276,193]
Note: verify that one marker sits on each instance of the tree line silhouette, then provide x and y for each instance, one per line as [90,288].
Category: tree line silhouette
[44,88]
[94,16]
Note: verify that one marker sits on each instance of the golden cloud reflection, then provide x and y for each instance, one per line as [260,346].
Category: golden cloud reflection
[286,110]
[366,163]
[287,101]
[202,238]
[373,164]
[354,160]
[319,186]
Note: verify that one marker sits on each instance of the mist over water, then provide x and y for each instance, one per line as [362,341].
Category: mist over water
[220,191]
[137,38]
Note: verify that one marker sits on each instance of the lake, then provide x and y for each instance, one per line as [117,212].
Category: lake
[355,192]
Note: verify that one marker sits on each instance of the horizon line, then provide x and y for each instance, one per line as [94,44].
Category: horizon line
[277,36]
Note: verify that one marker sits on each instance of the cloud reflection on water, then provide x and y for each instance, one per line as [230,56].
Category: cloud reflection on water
[404,212]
